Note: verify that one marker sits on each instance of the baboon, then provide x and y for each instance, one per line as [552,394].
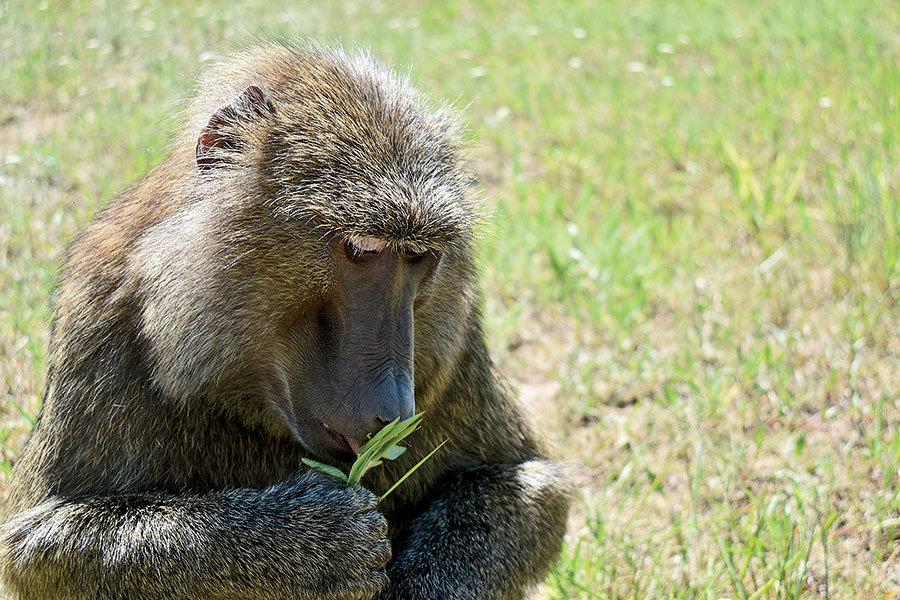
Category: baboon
[297,272]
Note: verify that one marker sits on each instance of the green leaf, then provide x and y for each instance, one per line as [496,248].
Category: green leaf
[327,469]
[394,452]
[410,472]
[382,443]
[406,427]
[361,465]
[394,431]
[380,447]
[375,439]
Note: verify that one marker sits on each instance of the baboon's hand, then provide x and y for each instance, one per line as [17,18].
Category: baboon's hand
[340,533]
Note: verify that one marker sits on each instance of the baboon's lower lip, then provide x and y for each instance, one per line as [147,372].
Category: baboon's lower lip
[347,442]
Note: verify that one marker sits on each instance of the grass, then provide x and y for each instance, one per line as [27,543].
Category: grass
[693,275]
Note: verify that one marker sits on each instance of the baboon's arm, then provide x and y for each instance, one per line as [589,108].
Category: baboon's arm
[306,537]
[490,533]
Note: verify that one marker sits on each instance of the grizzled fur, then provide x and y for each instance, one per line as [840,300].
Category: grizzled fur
[162,466]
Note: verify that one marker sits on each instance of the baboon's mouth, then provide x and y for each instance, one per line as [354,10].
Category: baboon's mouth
[347,442]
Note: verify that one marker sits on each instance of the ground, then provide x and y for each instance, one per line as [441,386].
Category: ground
[691,266]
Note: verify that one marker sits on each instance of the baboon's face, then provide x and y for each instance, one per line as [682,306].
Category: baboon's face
[360,374]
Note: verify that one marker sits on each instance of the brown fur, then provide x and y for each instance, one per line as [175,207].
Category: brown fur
[160,465]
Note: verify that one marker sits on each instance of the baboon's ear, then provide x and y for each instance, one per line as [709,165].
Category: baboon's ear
[221,134]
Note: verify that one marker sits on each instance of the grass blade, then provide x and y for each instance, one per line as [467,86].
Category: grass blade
[375,439]
[328,469]
[410,472]
[729,564]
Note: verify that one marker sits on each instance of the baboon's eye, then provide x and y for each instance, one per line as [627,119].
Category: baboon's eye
[414,253]
[357,248]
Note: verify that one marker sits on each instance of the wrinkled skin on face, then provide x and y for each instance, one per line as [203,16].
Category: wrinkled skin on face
[363,378]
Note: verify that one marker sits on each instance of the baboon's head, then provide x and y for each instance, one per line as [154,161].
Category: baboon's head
[320,255]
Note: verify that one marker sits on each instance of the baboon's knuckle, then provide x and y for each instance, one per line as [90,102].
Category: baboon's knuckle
[383,553]
[380,526]
[374,528]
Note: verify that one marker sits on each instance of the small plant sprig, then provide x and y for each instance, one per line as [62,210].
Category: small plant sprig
[382,446]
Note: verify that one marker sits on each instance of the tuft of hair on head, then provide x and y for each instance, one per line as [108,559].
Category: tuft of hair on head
[339,139]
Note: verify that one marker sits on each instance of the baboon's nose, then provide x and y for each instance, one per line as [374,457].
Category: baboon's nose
[392,399]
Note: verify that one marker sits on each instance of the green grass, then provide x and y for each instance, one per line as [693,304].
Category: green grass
[693,274]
